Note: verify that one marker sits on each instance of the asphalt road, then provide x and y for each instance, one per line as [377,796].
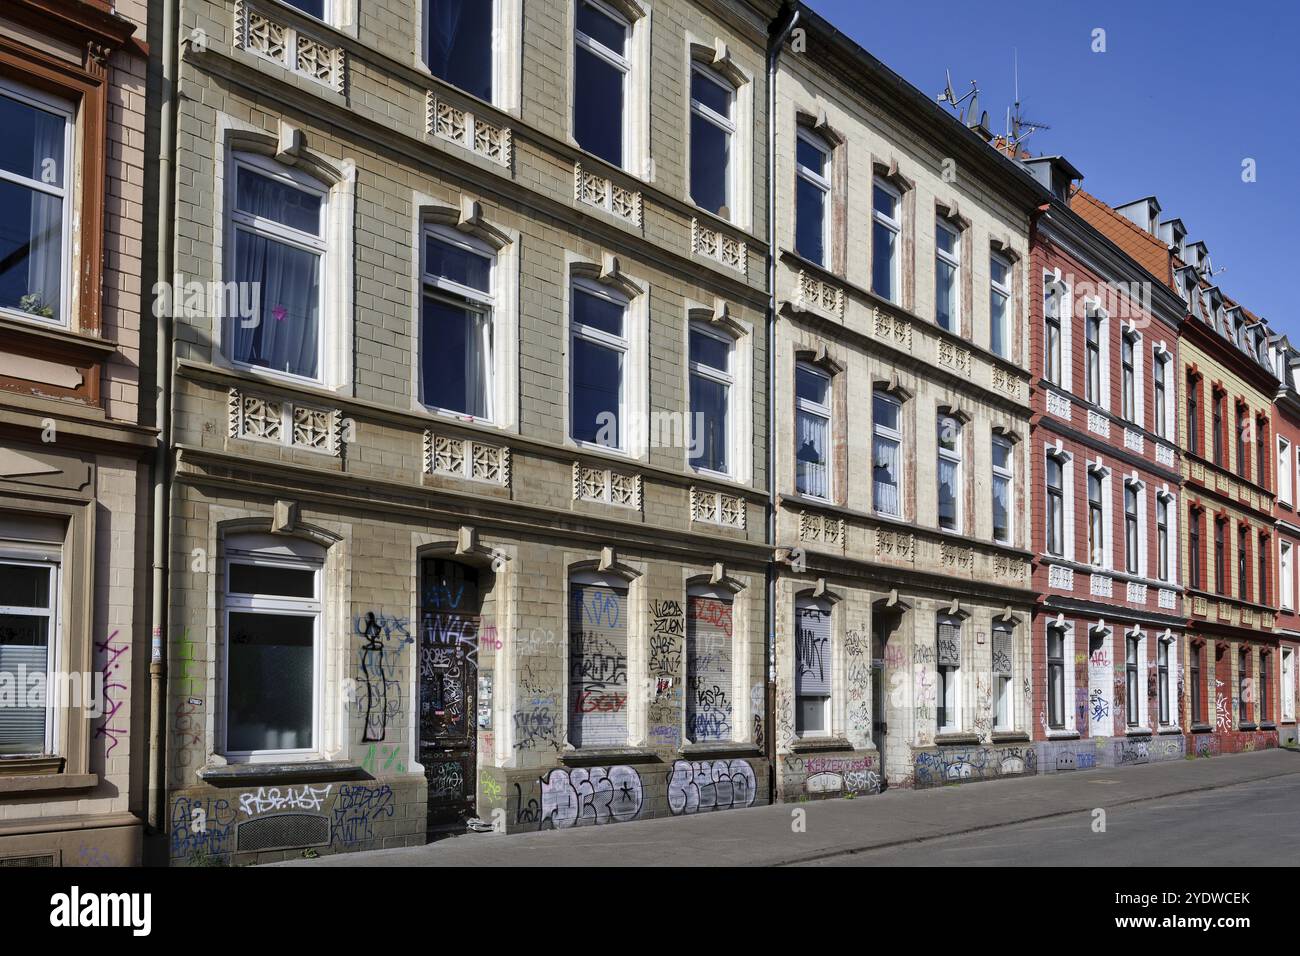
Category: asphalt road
[1251,824]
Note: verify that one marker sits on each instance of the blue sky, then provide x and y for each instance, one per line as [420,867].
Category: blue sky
[1182,95]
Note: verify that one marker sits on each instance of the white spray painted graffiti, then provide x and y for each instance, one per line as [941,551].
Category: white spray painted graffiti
[710,785]
[590,795]
[306,798]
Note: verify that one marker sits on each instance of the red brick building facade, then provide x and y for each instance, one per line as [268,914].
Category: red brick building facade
[1107,632]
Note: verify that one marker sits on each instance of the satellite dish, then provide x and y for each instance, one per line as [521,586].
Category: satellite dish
[947,96]
[974,109]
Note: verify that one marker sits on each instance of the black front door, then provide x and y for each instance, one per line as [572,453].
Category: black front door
[450,606]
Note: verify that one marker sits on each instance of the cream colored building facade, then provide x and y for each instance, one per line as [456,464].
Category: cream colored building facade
[902,611]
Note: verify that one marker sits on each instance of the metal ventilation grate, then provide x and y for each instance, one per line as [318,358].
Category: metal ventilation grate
[283,831]
[35,859]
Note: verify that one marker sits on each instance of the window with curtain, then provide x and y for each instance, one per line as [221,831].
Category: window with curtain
[711,355]
[598,356]
[950,473]
[1217,424]
[1096,520]
[1055,677]
[811,196]
[1131,536]
[886,454]
[1052,297]
[1055,506]
[1092,356]
[812,431]
[1243,437]
[600,78]
[1003,469]
[1288,684]
[1283,470]
[947,263]
[1286,575]
[28,624]
[1128,383]
[999,296]
[1194,547]
[272,609]
[713,130]
[456,331]
[278,228]
[1193,414]
[886,226]
[1162,536]
[1159,371]
[458,45]
[35,204]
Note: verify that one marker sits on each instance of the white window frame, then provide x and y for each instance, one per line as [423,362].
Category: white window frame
[1092,310]
[1162,371]
[622,345]
[828,712]
[621,63]
[1138,488]
[954,456]
[327,11]
[822,182]
[1066,462]
[726,378]
[1170,646]
[1001,289]
[894,225]
[1068,719]
[725,123]
[53,646]
[448,290]
[237,220]
[283,606]
[506,20]
[1102,561]
[889,434]
[822,411]
[1004,685]
[952,259]
[1060,380]
[1287,676]
[71,165]
[1286,573]
[1166,501]
[953,679]
[1007,473]
[1284,472]
[1130,388]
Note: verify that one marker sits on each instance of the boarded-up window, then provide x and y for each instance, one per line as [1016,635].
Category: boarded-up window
[1002,649]
[708,668]
[597,666]
[812,666]
[948,643]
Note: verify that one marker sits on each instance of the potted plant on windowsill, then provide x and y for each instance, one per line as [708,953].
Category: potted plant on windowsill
[31,303]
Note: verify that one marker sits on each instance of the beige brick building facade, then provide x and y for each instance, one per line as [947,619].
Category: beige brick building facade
[416,577]
[902,408]
[73,490]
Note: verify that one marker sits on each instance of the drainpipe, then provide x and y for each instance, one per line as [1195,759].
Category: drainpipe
[778,34]
[162,417]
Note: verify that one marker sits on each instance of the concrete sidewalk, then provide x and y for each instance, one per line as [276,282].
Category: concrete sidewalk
[763,836]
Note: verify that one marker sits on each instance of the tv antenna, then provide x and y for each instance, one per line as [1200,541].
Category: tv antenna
[971,116]
[1019,128]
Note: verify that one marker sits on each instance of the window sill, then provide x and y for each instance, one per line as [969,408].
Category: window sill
[956,737]
[14,786]
[724,748]
[1201,728]
[1248,726]
[1268,725]
[813,744]
[1137,732]
[34,766]
[1063,735]
[1010,736]
[608,755]
[1169,730]
[240,774]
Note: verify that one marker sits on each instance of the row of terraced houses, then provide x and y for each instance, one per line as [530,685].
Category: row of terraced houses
[431,413]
